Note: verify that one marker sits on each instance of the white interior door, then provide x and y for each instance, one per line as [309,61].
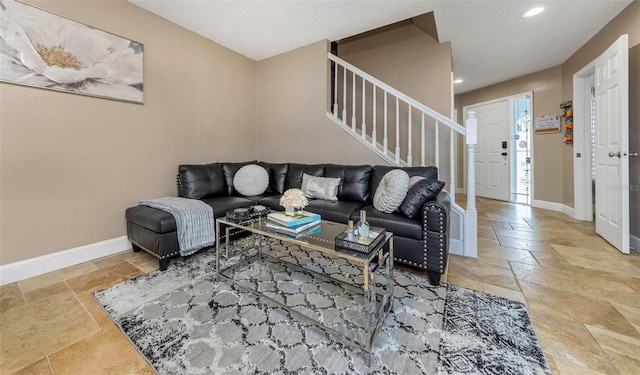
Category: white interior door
[612,144]
[492,159]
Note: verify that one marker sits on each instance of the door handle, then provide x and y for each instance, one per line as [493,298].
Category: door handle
[611,154]
[633,154]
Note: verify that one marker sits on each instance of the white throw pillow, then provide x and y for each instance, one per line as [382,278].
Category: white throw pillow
[251,180]
[320,187]
[391,191]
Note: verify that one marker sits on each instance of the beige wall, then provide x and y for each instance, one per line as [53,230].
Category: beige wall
[547,92]
[627,22]
[71,164]
[414,63]
[409,60]
[292,94]
[291,121]
[554,160]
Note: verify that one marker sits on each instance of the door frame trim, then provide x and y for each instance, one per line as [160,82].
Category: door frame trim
[582,193]
[510,99]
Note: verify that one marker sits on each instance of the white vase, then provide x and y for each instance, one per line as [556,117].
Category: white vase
[290,211]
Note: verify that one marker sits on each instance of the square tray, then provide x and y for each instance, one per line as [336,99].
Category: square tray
[376,234]
[249,214]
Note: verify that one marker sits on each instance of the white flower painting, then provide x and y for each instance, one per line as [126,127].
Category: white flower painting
[41,49]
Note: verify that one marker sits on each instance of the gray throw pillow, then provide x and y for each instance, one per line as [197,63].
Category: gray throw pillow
[419,194]
[320,187]
[413,180]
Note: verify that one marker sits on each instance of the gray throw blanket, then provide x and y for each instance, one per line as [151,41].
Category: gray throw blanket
[194,221]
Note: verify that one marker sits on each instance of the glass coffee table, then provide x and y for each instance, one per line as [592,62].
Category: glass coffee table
[333,289]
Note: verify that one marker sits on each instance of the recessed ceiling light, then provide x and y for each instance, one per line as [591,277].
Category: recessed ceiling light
[458,81]
[532,12]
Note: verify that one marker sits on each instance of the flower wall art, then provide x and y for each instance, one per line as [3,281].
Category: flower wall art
[44,50]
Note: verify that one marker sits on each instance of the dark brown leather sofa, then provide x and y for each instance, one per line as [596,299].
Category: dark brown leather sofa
[420,243]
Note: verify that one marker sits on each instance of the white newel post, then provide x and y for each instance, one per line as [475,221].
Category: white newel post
[409,140]
[452,166]
[397,131]
[471,213]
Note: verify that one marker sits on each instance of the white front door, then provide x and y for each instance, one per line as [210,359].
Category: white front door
[492,159]
[612,144]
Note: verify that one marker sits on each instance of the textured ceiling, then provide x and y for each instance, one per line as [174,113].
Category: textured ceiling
[490,41]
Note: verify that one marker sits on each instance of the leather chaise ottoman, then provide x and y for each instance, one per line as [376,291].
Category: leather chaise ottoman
[153,231]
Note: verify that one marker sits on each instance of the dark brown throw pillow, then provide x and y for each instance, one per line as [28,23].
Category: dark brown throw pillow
[419,194]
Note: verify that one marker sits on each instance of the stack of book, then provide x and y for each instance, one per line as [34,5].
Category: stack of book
[302,224]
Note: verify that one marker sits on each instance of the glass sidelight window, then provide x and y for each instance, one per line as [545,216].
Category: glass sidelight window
[521,151]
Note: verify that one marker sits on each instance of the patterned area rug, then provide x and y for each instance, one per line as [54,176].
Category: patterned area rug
[185,322]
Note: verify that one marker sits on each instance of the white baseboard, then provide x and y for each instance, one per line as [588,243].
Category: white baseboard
[456,247]
[12,272]
[553,206]
[569,211]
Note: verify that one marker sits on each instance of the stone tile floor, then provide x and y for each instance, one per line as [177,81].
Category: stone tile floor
[582,294]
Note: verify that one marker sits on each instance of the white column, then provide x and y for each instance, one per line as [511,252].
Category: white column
[437,145]
[409,148]
[397,132]
[422,145]
[471,213]
[453,166]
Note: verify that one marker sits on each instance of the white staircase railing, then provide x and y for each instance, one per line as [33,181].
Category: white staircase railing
[394,125]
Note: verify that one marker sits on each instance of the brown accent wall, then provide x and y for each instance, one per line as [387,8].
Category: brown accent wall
[291,121]
[547,91]
[71,164]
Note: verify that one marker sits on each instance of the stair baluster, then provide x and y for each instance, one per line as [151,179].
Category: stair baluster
[375,118]
[344,95]
[353,103]
[385,144]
